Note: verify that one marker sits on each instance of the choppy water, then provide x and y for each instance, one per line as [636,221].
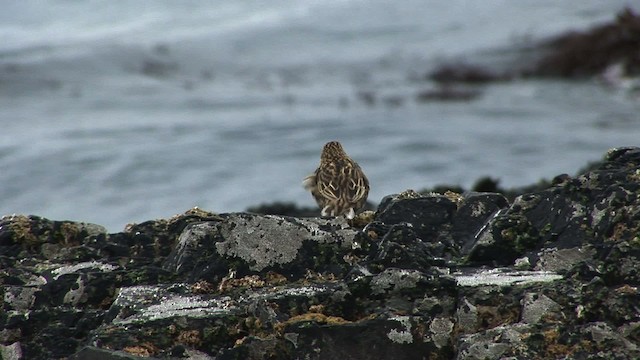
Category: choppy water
[123,111]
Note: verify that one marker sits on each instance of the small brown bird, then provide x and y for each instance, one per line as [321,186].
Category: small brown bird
[338,184]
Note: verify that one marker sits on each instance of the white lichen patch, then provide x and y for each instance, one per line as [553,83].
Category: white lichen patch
[505,277]
[309,290]
[395,280]
[35,280]
[267,240]
[186,306]
[522,263]
[70,269]
[11,351]
[467,316]
[282,292]
[478,209]
[441,329]
[20,298]
[402,336]
[579,210]
[76,295]
[552,259]
[147,303]
[293,338]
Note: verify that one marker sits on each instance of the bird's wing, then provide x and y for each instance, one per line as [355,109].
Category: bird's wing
[309,182]
[358,184]
[326,179]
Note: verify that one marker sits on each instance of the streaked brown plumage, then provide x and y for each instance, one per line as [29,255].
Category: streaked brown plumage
[338,185]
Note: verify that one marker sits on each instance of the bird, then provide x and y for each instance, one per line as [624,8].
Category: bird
[338,185]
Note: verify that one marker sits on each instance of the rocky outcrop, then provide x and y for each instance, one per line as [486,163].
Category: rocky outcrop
[608,50]
[580,54]
[551,274]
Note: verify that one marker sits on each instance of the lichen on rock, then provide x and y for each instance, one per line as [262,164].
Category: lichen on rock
[551,274]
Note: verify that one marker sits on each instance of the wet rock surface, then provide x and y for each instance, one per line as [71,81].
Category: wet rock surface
[549,274]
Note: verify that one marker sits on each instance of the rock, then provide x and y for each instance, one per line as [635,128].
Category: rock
[423,220]
[447,93]
[552,274]
[248,243]
[284,209]
[291,209]
[387,338]
[426,214]
[497,343]
[579,54]
[535,306]
[504,277]
[464,73]
[473,216]
[401,247]
[21,234]
[94,353]
[11,351]
[429,229]
[561,260]
[608,51]
[577,214]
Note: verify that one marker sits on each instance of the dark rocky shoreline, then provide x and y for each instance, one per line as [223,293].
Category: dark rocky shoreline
[546,271]
[552,273]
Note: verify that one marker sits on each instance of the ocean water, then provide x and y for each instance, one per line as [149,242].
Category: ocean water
[115,112]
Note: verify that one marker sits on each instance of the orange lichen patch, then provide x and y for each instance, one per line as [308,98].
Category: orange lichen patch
[491,316]
[106,302]
[372,234]
[252,323]
[560,350]
[69,232]
[273,278]
[172,329]
[190,338]
[20,225]
[310,318]
[255,327]
[240,341]
[553,318]
[159,223]
[351,259]
[554,349]
[585,345]
[318,308]
[421,329]
[551,339]
[409,194]
[252,281]
[189,216]
[362,219]
[627,290]
[144,349]
[195,212]
[454,197]
[620,231]
[316,276]
[202,287]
